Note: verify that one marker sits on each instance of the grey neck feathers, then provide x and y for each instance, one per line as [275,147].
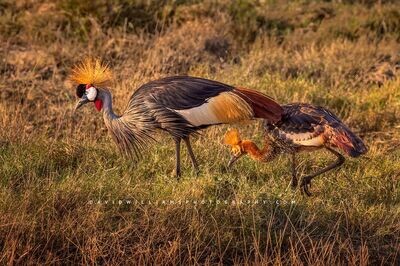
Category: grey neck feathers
[108,113]
[125,130]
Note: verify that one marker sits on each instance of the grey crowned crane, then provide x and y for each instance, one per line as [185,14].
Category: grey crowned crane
[178,105]
[303,127]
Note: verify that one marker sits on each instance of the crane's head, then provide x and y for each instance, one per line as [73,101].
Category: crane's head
[91,75]
[232,138]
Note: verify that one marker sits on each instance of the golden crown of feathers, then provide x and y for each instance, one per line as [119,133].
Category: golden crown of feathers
[232,137]
[92,71]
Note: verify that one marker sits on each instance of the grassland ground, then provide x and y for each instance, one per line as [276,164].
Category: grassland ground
[62,179]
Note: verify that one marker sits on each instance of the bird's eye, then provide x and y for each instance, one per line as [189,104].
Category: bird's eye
[91,93]
[80,90]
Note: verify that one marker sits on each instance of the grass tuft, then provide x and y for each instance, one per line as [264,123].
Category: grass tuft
[67,196]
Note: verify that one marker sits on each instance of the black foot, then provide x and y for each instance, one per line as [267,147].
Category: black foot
[176,174]
[196,172]
[305,185]
[294,183]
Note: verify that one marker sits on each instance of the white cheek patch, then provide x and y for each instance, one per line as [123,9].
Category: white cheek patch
[91,93]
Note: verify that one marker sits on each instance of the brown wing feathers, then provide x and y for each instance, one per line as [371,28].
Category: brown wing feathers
[305,118]
[262,105]
[205,102]
[347,141]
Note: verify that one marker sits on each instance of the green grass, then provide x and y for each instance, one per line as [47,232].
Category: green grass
[57,191]
[61,177]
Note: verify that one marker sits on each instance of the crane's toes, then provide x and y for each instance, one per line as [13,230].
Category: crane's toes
[294,184]
[196,172]
[176,174]
[306,191]
[305,185]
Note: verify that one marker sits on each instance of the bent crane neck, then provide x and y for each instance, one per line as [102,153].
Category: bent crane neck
[108,113]
[126,130]
[265,154]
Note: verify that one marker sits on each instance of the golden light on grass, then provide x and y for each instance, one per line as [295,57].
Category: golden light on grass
[52,163]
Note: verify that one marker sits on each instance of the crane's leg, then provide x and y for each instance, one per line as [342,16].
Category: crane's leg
[306,181]
[294,172]
[177,157]
[191,155]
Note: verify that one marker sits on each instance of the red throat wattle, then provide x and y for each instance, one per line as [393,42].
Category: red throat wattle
[98,104]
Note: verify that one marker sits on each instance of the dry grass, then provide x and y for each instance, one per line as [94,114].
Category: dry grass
[55,166]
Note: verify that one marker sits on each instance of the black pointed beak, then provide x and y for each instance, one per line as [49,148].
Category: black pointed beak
[233,159]
[84,100]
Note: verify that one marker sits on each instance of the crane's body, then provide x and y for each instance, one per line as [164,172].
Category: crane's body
[178,105]
[303,127]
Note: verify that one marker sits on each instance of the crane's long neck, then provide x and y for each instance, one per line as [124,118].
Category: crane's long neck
[128,131]
[266,154]
[108,113]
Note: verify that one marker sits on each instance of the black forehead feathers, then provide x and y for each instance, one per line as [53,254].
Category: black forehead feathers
[80,90]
